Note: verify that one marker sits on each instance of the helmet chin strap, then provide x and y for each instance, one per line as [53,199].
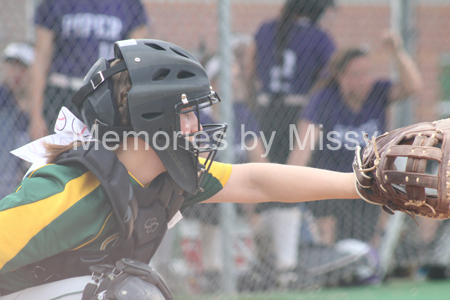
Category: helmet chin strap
[100,129]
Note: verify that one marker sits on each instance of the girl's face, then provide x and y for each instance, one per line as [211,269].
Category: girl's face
[356,80]
[16,75]
[189,124]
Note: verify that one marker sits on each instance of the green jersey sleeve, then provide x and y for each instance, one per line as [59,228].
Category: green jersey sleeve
[214,181]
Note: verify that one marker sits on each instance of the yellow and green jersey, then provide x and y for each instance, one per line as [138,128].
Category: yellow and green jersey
[60,208]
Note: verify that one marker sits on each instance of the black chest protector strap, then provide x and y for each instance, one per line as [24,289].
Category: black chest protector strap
[143,214]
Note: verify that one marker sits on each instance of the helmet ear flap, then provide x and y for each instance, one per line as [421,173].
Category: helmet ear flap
[100,103]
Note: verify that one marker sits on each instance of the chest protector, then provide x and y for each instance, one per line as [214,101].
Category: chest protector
[142,214]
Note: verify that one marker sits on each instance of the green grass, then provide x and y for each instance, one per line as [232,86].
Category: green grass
[395,290]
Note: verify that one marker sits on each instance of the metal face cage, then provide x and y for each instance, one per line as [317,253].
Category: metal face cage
[206,141]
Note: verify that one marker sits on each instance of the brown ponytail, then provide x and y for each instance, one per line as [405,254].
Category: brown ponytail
[54,150]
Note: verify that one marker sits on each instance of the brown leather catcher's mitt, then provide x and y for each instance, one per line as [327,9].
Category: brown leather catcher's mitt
[408,170]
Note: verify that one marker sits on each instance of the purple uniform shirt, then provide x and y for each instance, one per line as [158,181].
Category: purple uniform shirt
[13,134]
[342,128]
[307,52]
[86,30]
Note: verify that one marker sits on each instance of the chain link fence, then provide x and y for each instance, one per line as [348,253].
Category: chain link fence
[306,80]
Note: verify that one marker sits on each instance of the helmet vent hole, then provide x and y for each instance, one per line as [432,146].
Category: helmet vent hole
[178,52]
[160,74]
[156,47]
[185,74]
[151,116]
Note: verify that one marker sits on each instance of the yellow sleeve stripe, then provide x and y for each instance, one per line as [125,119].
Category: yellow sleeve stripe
[103,227]
[47,209]
[144,186]
[34,171]
[220,171]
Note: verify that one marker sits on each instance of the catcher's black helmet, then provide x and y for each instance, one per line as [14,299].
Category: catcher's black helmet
[167,81]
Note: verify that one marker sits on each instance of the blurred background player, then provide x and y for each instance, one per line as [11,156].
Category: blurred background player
[14,113]
[70,36]
[291,51]
[345,104]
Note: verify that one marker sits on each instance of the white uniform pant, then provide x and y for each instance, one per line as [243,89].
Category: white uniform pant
[67,289]
[281,226]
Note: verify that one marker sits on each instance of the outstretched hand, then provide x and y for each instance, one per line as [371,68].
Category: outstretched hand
[392,42]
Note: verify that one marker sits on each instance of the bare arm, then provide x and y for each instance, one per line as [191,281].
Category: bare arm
[39,71]
[255,155]
[308,135]
[260,182]
[410,78]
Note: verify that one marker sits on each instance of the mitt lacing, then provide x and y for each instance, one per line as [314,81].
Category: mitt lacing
[376,162]
[412,215]
[419,203]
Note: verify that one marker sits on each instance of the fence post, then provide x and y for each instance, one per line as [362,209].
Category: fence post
[228,214]
[401,22]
